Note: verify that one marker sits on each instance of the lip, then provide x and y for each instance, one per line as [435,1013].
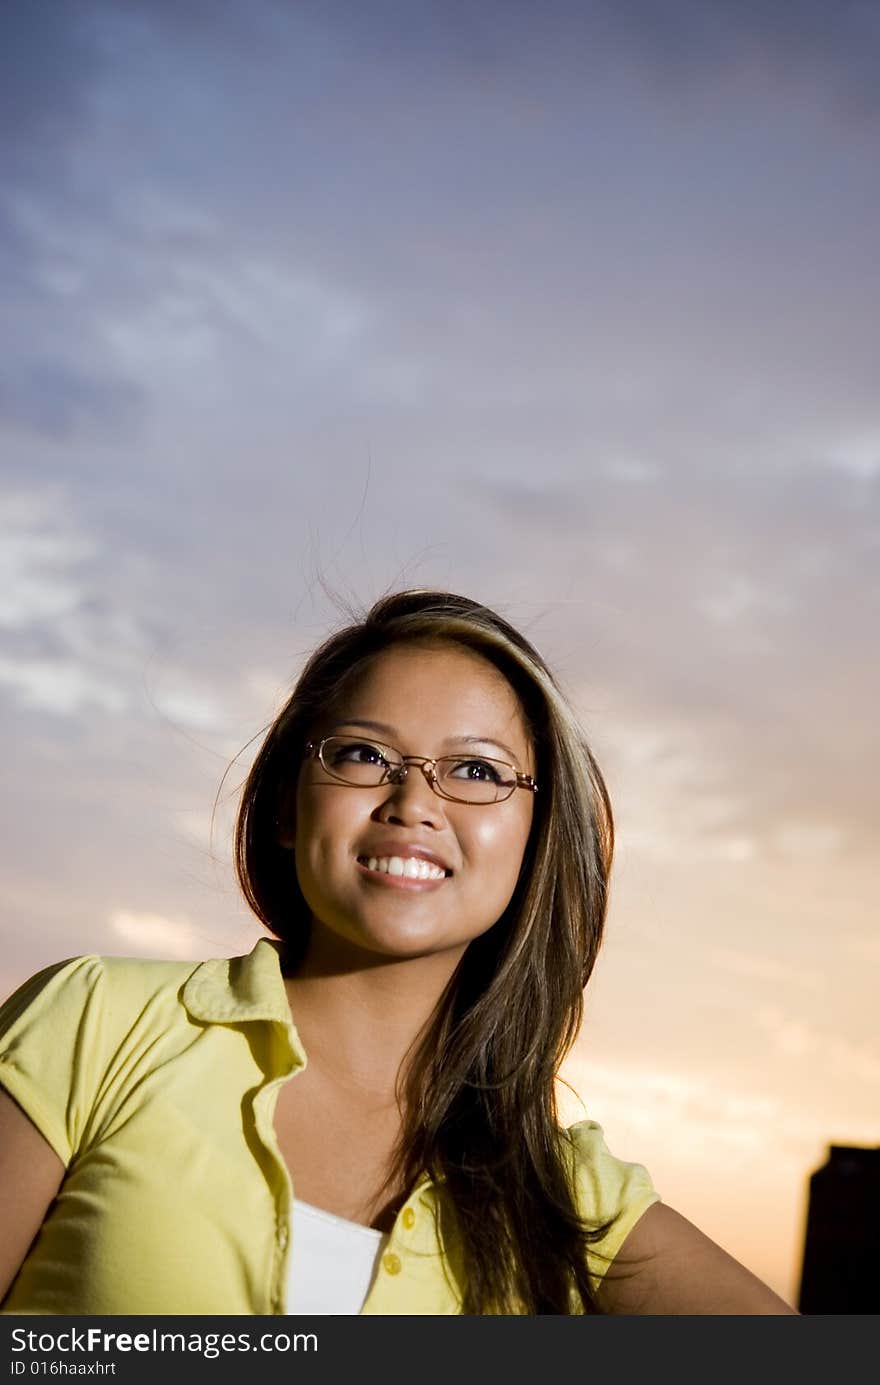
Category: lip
[399,882]
[389,846]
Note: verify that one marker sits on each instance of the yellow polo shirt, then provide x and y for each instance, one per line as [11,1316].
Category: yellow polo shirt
[155,1083]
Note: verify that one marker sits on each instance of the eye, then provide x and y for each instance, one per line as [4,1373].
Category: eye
[355,753]
[481,770]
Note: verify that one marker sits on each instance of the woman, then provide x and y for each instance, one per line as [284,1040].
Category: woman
[427,836]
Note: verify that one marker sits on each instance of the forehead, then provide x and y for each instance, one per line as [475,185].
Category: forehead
[445,688]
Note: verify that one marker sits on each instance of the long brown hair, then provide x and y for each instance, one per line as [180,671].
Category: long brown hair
[479,1091]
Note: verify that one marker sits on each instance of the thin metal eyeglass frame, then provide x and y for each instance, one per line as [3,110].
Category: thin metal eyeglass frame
[428,767]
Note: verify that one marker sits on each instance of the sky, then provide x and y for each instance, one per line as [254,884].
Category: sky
[571,308]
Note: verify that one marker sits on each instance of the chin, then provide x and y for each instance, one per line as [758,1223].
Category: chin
[403,943]
[412,945]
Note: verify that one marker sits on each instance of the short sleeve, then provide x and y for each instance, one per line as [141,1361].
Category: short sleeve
[50,1032]
[608,1190]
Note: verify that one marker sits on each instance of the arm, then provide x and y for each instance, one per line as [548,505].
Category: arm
[30,1176]
[667,1266]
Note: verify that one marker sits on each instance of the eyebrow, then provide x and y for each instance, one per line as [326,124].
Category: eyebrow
[387,730]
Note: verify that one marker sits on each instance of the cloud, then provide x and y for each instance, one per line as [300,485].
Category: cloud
[191,707]
[632,470]
[40,554]
[791,1037]
[808,840]
[55,398]
[708,1123]
[798,47]
[766,968]
[864,948]
[682,44]
[857,456]
[155,935]
[838,1055]
[59,687]
[545,502]
[71,644]
[678,798]
[214,306]
[738,597]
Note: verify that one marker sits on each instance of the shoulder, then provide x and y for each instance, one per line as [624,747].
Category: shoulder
[605,1184]
[89,991]
[611,1194]
[75,1029]
[89,973]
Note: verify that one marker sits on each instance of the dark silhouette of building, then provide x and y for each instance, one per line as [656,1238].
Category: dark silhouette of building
[841,1265]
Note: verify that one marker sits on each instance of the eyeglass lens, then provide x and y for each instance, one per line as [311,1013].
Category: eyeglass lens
[471,779]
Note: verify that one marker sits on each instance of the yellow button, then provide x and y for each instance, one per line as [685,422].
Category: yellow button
[391,1262]
[409,1217]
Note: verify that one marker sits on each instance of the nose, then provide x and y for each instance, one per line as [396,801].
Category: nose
[409,796]
[421,762]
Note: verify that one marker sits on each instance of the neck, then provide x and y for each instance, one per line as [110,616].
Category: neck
[359,1013]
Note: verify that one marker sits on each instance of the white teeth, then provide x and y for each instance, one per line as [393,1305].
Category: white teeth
[413,867]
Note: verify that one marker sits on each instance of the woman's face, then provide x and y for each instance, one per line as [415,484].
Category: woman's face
[427,699]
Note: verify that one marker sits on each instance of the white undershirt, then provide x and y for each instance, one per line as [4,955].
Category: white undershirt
[332,1261]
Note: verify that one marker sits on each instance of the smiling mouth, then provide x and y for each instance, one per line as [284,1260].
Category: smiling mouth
[404,867]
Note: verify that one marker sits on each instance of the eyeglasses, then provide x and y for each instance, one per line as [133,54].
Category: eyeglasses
[462,778]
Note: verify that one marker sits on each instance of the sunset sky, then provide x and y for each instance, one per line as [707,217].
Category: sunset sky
[569,307]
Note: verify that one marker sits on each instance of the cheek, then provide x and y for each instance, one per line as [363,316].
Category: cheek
[324,816]
[314,830]
[502,841]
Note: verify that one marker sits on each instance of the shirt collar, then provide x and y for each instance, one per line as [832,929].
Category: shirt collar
[235,990]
